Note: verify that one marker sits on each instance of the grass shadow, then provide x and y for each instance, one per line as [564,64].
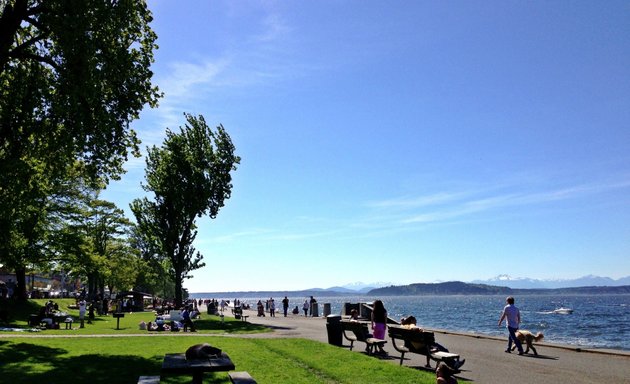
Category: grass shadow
[18,311]
[229,326]
[30,363]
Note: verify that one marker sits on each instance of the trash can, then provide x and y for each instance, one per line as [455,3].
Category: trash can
[326,309]
[335,332]
[314,310]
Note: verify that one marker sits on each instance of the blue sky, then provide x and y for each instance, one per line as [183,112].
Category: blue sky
[403,141]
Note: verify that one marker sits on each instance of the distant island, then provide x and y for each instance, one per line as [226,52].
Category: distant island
[425,289]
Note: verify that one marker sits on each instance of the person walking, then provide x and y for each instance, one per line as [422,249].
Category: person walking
[512,317]
[82,308]
[285,305]
[305,307]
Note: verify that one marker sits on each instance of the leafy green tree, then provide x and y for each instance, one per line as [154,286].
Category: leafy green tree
[73,75]
[98,246]
[189,176]
[154,276]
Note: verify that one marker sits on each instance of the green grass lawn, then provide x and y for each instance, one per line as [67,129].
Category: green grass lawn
[122,356]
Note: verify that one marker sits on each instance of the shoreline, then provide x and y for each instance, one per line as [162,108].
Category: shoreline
[486,361]
[569,347]
[469,314]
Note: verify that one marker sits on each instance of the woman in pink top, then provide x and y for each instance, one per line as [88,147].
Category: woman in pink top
[379,322]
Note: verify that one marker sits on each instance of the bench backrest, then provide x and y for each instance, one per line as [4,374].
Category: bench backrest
[414,339]
[360,330]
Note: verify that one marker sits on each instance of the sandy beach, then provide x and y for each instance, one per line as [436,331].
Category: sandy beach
[486,361]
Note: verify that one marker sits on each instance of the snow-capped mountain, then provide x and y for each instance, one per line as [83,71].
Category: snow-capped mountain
[361,287]
[529,283]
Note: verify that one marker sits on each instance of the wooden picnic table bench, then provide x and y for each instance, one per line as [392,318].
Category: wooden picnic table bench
[406,340]
[177,364]
[358,331]
[241,378]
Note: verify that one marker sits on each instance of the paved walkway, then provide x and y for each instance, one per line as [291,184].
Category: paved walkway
[485,360]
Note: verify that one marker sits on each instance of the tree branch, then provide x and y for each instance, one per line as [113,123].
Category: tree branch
[32,56]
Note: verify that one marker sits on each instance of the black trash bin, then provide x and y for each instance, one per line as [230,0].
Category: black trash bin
[335,332]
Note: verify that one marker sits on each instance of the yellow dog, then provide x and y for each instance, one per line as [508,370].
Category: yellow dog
[529,338]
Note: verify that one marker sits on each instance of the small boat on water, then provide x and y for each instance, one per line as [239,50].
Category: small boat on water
[563,311]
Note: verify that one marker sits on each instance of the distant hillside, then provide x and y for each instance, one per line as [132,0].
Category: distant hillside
[448,288]
[461,288]
[419,289]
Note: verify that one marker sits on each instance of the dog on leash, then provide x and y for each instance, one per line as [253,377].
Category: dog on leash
[526,337]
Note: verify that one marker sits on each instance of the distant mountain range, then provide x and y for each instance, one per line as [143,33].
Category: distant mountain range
[528,283]
[502,284]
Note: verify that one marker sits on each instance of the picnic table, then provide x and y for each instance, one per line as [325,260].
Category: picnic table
[177,364]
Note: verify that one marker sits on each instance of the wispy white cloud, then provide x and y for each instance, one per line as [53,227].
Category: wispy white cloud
[274,28]
[184,77]
[262,235]
[192,84]
[463,207]
[414,214]
[415,202]
[235,236]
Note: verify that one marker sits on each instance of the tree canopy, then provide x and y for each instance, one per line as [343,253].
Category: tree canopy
[73,75]
[189,177]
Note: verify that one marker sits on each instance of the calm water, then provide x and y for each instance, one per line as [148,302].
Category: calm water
[597,321]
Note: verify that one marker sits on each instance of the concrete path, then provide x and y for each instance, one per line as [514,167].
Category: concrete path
[486,361]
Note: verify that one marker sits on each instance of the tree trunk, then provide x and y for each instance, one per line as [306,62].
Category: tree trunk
[20,277]
[178,289]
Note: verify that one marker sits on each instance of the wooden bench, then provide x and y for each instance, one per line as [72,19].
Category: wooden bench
[407,340]
[356,331]
[241,378]
[149,380]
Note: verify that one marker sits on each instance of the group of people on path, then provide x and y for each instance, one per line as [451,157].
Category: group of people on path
[270,306]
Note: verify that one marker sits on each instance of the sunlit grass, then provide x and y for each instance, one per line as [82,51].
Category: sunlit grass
[108,355]
[124,359]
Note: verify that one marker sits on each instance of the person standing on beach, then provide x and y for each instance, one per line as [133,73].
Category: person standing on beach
[512,317]
[305,307]
[285,305]
[379,322]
